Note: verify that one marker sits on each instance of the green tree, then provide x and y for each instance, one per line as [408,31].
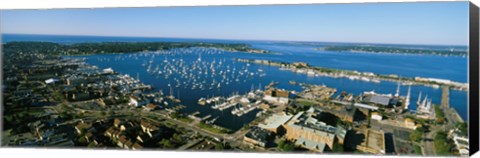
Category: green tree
[337,147]
[165,143]
[285,145]
[442,145]
[417,135]
[463,128]
[219,146]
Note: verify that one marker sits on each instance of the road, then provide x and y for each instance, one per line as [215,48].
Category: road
[234,139]
[428,145]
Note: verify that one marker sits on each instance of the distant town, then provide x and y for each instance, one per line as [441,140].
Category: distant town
[53,101]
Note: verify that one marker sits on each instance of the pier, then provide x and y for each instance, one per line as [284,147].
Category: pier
[451,114]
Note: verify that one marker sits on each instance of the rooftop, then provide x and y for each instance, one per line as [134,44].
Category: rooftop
[275,121]
[306,119]
[258,134]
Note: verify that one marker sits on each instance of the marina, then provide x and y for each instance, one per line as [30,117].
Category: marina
[236,77]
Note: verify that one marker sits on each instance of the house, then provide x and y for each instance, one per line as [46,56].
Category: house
[133,101]
[121,141]
[128,144]
[82,127]
[113,133]
[116,122]
[142,138]
[150,107]
[148,128]
[89,137]
[137,146]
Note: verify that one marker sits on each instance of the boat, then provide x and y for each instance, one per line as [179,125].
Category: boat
[292,82]
[202,101]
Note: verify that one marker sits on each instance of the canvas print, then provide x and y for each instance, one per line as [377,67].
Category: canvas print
[369,78]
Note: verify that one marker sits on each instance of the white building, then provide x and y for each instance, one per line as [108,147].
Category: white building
[376,116]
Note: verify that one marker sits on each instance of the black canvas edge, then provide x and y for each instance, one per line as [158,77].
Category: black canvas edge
[473,79]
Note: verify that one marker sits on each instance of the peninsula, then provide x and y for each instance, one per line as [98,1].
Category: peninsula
[393,50]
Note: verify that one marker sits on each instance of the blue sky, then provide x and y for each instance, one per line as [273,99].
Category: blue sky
[444,23]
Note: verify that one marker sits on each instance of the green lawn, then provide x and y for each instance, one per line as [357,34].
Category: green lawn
[185,119]
[212,128]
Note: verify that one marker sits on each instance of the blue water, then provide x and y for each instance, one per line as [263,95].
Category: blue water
[452,68]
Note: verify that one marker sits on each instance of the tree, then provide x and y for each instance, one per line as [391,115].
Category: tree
[219,146]
[165,143]
[111,112]
[442,145]
[463,128]
[338,148]
[286,145]
[417,135]
[177,138]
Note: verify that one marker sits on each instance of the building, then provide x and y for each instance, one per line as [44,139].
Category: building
[378,99]
[276,96]
[340,134]
[461,142]
[148,128]
[376,116]
[275,123]
[310,133]
[137,146]
[133,102]
[117,122]
[82,127]
[150,107]
[258,136]
[410,123]
[374,142]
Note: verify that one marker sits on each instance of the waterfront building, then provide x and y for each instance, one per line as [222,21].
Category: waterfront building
[276,96]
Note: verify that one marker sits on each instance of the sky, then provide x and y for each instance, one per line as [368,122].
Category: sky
[438,23]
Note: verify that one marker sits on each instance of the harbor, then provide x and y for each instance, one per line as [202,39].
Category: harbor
[203,79]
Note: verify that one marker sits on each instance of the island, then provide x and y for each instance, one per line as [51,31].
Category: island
[393,50]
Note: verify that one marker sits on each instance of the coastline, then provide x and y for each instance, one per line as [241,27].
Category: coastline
[300,67]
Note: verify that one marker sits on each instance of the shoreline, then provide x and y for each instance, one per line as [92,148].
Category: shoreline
[300,67]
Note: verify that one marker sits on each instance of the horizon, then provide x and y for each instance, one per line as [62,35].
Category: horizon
[420,23]
[195,38]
